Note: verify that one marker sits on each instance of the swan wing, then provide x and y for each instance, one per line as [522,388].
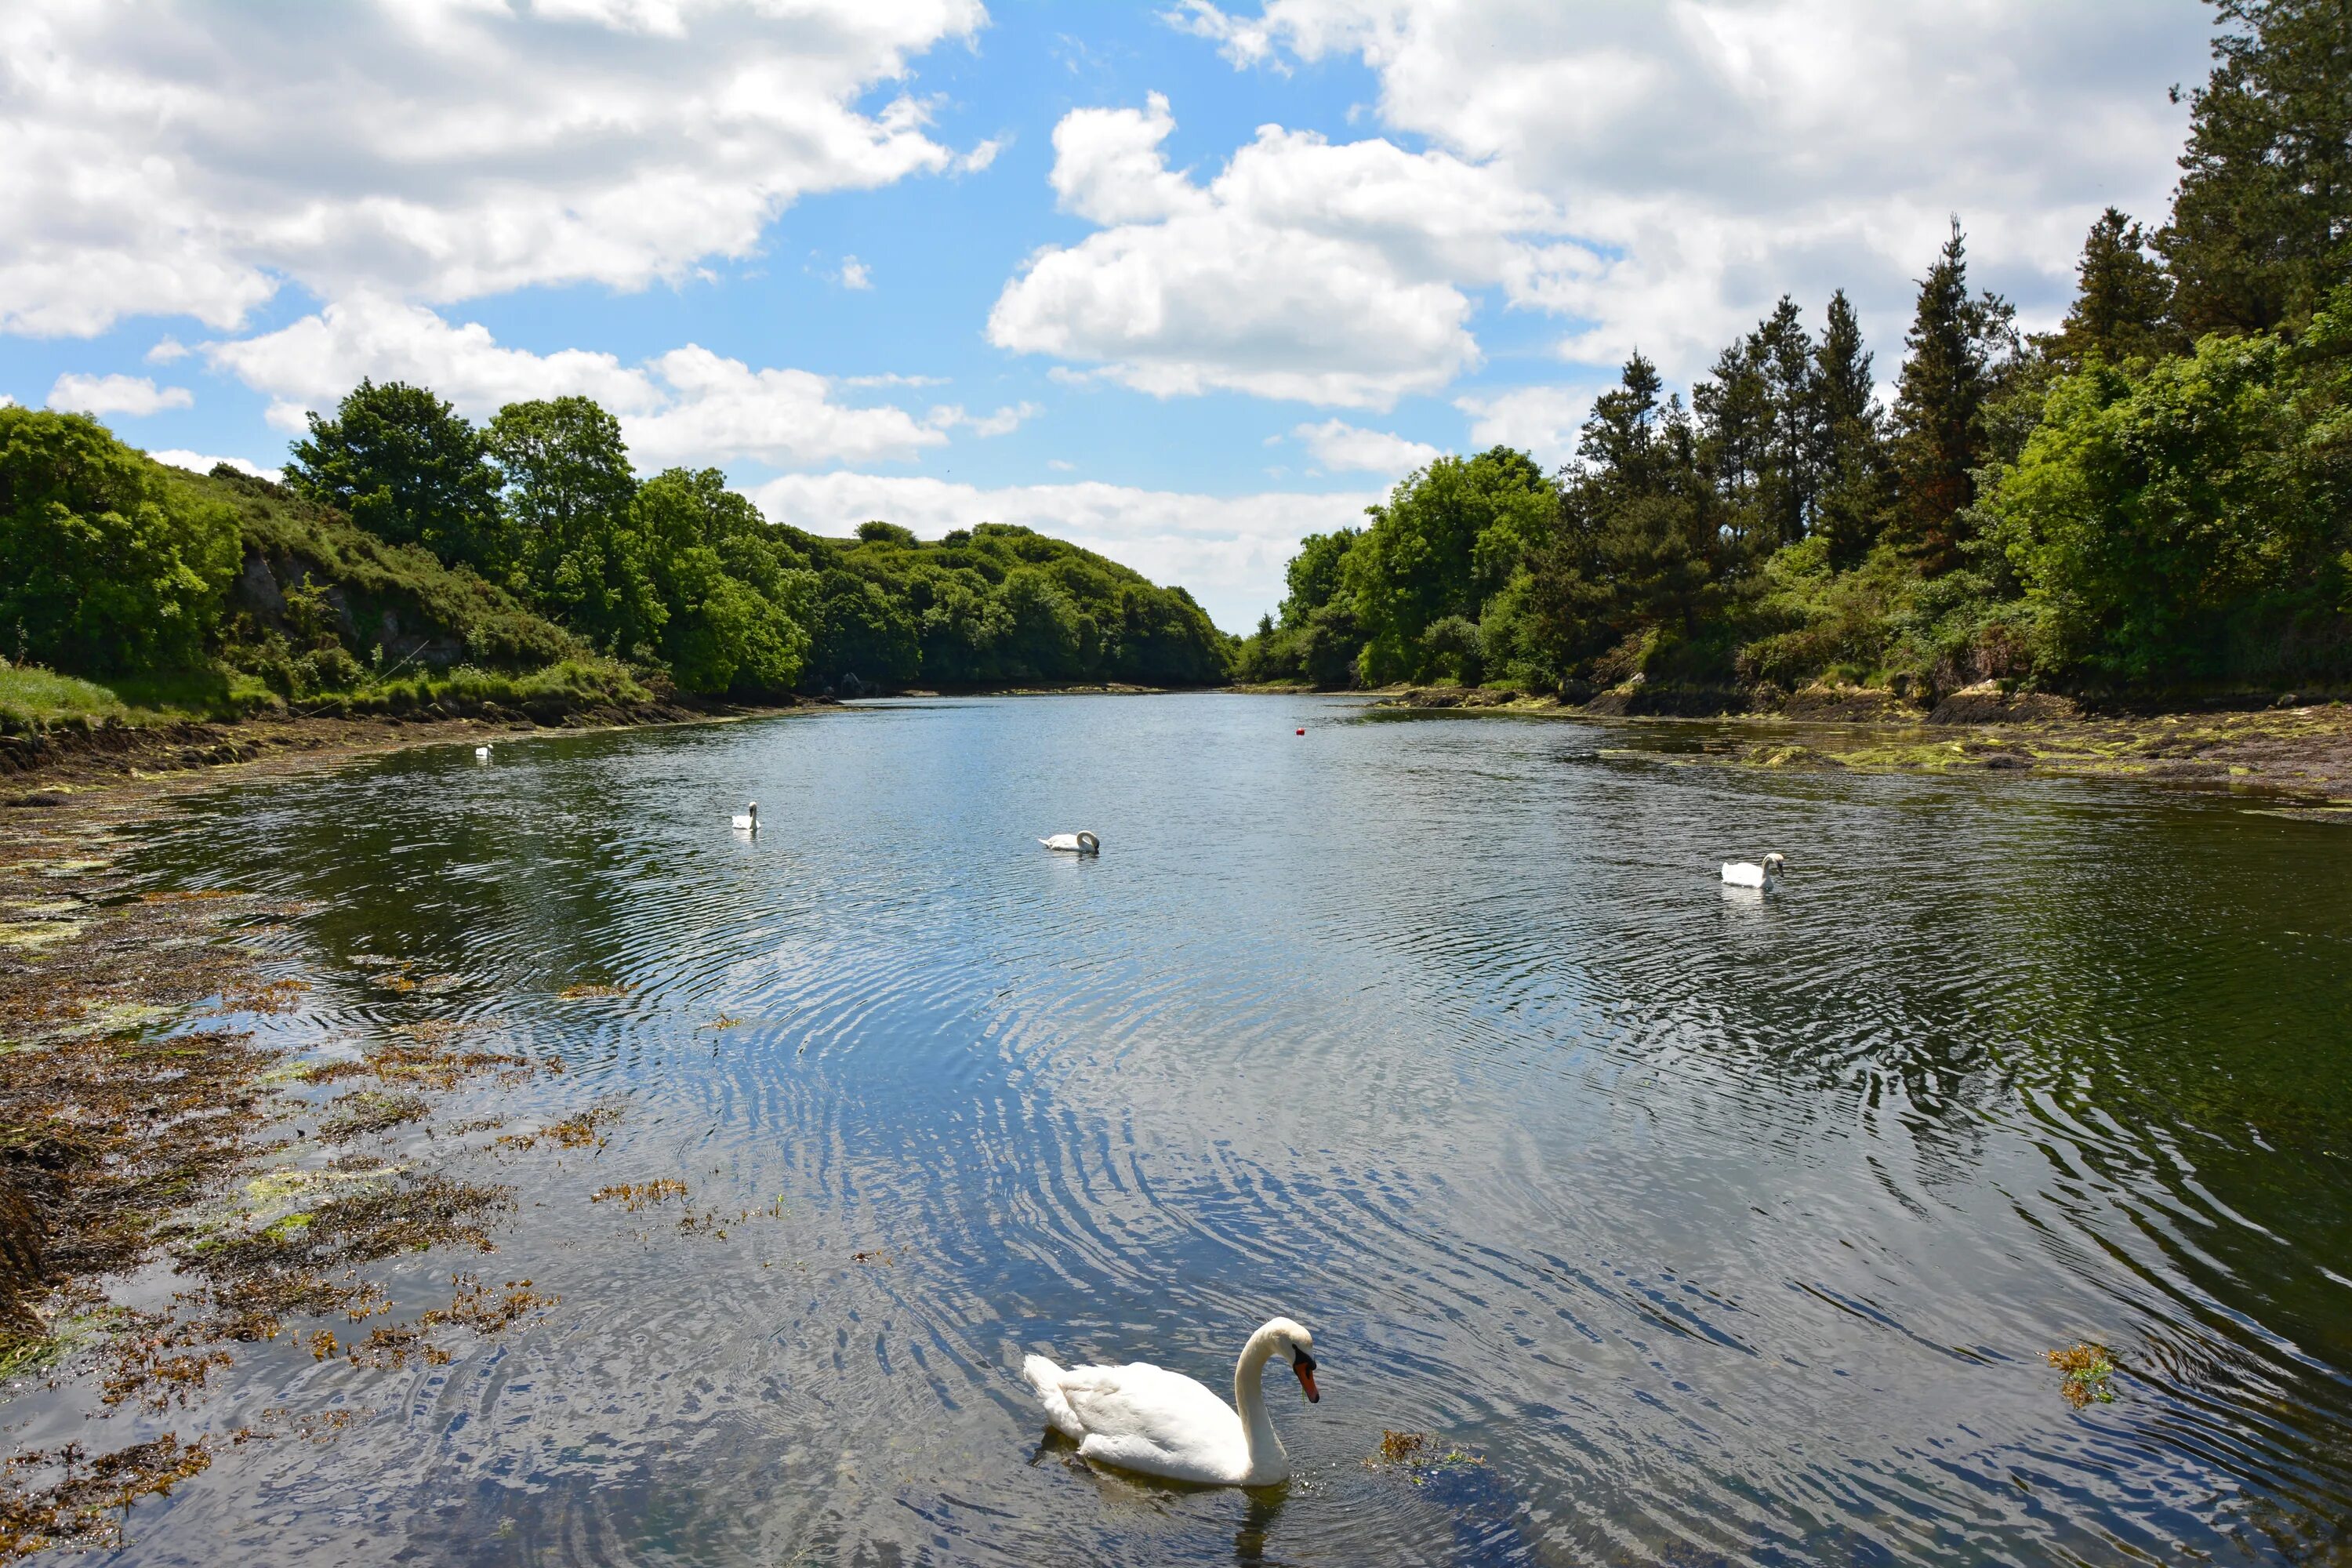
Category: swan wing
[1148,1418]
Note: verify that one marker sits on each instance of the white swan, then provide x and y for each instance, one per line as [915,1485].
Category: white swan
[481,753]
[748,819]
[1747,874]
[1079,843]
[1143,1417]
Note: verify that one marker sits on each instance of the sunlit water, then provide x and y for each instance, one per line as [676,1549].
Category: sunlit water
[1724,1229]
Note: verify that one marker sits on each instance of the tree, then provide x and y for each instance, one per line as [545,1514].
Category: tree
[2121,299]
[1447,537]
[2264,210]
[735,615]
[1958,348]
[103,567]
[1756,416]
[1850,450]
[409,469]
[569,496]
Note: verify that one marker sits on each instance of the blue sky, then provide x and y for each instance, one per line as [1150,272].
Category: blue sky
[1179,281]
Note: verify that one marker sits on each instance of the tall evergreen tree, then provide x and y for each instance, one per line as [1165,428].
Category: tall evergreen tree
[1850,443]
[2121,299]
[2263,214]
[1949,373]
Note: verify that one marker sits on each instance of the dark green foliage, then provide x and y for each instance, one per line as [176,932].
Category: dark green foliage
[2261,218]
[1958,344]
[1446,539]
[103,568]
[2121,301]
[410,470]
[736,606]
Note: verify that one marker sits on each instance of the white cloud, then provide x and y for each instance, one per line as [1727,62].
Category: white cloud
[167,351]
[7,401]
[182,157]
[1002,422]
[1543,421]
[1229,551]
[1716,152]
[1332,273]
[133,395]
[197,462]
[688,405]
[854,274]
[1338,447]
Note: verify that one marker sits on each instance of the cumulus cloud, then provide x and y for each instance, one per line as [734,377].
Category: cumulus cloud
[1715,152]
[197,462]
[854,274]
[1542,421]
[1331,273]
[1341,447]
[688,405]
[1004,421]
[133,395]
[182,157]
[1229,551]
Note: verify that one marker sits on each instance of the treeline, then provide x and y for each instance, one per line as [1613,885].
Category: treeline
[523,543]
[2156,497]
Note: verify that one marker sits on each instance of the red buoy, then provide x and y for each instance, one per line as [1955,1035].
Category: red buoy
[1302,731]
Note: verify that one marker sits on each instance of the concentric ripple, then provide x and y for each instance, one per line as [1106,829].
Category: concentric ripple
[1693,1226]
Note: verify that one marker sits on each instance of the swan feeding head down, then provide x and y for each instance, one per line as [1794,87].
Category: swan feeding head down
[1078,843]
[1146,1418]
[748,819]
[1747,874]
[481,753]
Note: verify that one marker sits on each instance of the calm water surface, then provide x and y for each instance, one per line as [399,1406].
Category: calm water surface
[1725,1229]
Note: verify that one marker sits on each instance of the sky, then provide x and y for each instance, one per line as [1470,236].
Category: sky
[1182,282]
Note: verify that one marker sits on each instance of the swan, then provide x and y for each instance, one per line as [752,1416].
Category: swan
[1079,843]
[1747,874]
[481,753]
[1143,1417]
[748,819]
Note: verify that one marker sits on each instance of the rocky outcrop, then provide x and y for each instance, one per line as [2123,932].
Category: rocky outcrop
[1987,703]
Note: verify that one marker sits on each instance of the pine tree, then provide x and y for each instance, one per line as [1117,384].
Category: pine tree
[2263,211]
[2121,299]
[1850,443]
[1947,375]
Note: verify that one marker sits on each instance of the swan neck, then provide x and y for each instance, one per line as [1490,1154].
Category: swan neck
[1249,1399]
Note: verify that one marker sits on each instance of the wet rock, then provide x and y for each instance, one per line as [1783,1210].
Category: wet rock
[1849,704]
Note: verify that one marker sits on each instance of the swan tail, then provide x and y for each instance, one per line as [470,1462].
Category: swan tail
[1046,1379]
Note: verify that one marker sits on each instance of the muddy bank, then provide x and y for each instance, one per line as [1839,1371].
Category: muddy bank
[147,1122]
[2300,753]
[36,767]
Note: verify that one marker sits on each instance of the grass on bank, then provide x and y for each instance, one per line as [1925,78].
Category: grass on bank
[33,699]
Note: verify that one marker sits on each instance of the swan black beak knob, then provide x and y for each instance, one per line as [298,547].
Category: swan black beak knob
[1305,1367]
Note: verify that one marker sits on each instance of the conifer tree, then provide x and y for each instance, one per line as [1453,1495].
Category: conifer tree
[2263,214]
[2122,297]
[1949,373]
[1850,443]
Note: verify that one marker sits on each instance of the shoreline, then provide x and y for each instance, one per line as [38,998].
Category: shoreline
[2298,756]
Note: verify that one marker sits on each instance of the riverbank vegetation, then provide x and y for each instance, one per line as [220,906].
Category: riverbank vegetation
[411,560]
[2153,501]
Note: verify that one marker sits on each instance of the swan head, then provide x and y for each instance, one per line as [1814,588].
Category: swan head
[1088,843]
[1294,1341]
[1775,861]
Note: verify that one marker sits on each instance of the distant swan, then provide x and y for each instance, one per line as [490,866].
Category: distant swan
[1080,843]
[1143,1417]
[748,819]
[481,753]
[1747,874]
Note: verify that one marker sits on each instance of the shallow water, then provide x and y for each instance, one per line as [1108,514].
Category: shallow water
[1720,1228]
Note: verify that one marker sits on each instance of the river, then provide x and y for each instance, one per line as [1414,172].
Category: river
[1694,1225]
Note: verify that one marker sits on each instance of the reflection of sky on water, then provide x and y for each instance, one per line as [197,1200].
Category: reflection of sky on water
[1718,1225]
